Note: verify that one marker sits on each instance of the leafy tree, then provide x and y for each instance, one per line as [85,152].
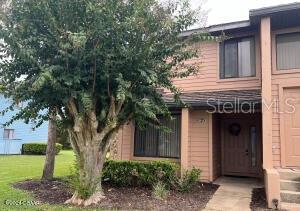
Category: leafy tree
[99,64]
[48,171]
[62,135]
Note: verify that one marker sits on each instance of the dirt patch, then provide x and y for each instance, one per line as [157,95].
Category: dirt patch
[54,192]
[125,198]
[259,201]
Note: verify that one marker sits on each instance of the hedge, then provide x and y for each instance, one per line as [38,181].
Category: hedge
[136,173]
[38,148]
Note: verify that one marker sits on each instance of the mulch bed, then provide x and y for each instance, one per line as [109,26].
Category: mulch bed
[259,202]
[125,198]
[54,192]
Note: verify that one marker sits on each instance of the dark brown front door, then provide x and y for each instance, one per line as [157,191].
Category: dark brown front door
[241,143]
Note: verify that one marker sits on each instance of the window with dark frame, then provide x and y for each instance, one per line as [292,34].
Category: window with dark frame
[237,58]
[153,142]
[9,134]
[288,51]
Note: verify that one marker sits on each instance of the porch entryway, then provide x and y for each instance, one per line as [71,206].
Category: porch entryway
[240,145]
[234,194]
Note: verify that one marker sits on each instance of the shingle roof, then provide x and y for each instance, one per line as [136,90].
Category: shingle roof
[207,99]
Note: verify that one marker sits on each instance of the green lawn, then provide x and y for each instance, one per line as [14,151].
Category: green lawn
[20,167]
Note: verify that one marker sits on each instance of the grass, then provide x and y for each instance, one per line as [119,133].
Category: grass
[16,168]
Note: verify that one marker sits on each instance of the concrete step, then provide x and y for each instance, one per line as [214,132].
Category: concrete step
[290,206]
[290,185]
[290,196]
[289,174]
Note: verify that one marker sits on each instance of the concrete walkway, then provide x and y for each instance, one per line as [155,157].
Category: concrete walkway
[234,194]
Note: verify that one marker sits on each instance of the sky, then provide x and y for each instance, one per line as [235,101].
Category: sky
[224,11]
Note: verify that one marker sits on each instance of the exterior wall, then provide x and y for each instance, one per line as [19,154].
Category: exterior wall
[280,80]
[199,143]
[203,148]
[216,152]
[125,140]
[198,151]
[207,79]
[203,142]
[23,132]
[271,176]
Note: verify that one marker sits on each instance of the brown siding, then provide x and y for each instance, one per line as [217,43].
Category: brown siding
[275,126]
[280,79]
[217,171]
[207,79]
[125,142]
[199,142]
[277,81]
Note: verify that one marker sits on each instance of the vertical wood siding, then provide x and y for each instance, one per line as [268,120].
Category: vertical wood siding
[199,142]
[126,141]
[280,78]
[277,80]
[217,171]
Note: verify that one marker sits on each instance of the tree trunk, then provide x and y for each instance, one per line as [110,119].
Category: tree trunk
[90,159]
[51,151]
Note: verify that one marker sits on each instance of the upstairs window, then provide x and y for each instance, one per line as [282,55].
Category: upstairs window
[288,51]
[9,134]
[237,58]
[153,142]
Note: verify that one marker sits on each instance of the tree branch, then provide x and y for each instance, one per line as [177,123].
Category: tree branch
[95,67]
[112,108]
[60,113]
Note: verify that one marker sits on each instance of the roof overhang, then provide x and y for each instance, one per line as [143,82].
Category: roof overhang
[285,15]
[220,99]
[218,28]
[266,11]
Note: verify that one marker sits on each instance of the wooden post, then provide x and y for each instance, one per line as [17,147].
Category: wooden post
[271,176]
[265,30]
[184,158]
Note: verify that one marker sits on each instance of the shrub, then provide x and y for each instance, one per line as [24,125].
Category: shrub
[160,190]
[38,148]
[75,184]
[135,173]
[188,180]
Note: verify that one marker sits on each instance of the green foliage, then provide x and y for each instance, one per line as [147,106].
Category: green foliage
[16,168]
[96,63]
[62,135]
[188,180]
[106,56]
[137,173]
[76,184]
[132,173]
[38,148]
[160,190]
[2,88]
